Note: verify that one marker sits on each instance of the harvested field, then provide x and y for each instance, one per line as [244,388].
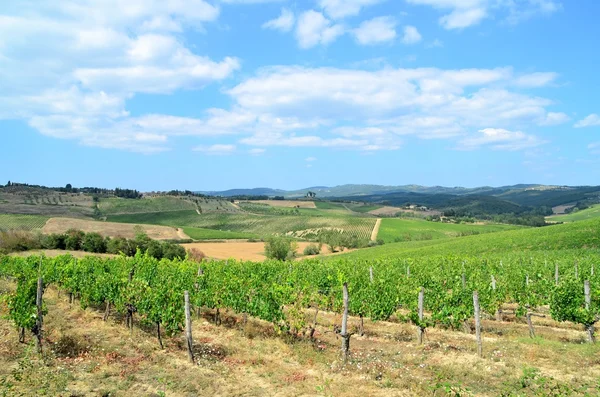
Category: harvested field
[241,250]
[111,229]
[286,203]
[391,211]
[53,253]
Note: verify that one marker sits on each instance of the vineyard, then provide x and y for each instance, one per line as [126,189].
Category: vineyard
[21,222]
[263,225]
[428,293]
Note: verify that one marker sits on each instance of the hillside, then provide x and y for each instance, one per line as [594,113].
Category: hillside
[578,235]
[588,213]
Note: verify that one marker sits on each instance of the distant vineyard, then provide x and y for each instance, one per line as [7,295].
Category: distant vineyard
[162,204]
[21,222]
[298,226]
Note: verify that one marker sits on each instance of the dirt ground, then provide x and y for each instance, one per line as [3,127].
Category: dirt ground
[53,253]
[376,230]
[112,229]
[286,203]
[391,211]
[241,250]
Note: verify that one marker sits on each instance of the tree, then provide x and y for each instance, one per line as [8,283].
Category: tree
[8,184]
[279,248]
[69,187]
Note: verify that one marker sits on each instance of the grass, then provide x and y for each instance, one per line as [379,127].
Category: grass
[210,234]
[261,225]
[328,205]
[21,222]
[363,208]
[588,213]
[577,235]
[396,230]
[84,355]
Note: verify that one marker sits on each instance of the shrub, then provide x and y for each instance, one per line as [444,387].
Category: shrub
[172,251]
[120,244]
[74,239]
[54,241]
[12,241]
[312,249]
[94,242]
[195,255]
[279,248]
[155,249]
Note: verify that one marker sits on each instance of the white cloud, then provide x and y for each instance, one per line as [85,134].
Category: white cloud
[538,79]
[284,23]
[71,66]
[466,13]
[411,35]
[594,147]
[593,120]
[374,108]
[310,159]
[376,31]
[500,139]
[463,18]
[313,29]
[555,118]
[216,150]
[435,44]
[256,151]
[338,9]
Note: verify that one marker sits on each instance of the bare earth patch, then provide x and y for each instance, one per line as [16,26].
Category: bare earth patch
[376,230]
[112,229]
[286,203]
[391,211]
[53,253]
[241,250]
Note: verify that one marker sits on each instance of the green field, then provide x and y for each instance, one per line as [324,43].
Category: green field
[21,222]
[568,236]
[261,225]
[397,230]
[327,205]
[210,234]
[363,208]
[588,213]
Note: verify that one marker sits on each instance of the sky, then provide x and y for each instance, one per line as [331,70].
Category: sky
[220,94]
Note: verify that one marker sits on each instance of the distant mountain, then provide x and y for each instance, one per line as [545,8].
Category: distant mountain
[257,191]
[515,198]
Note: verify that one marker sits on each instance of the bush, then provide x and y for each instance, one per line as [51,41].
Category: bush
[74,239]
[12,241]
[196,255]
[279,248]
[94,242]
[54,241]
[312,249]
[155,249]
[119,245]
[172,251]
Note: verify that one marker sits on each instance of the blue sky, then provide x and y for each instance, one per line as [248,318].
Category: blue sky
[217,94]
